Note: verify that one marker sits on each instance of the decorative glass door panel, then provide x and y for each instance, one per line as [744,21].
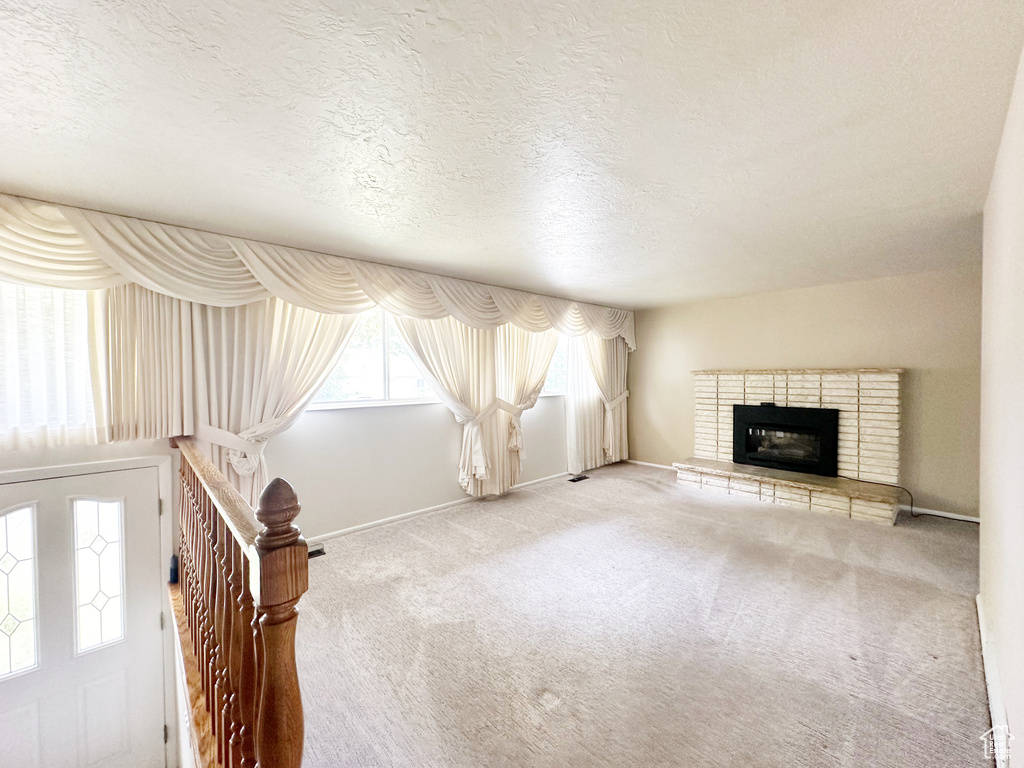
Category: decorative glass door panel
[80,636]
[17,591]
[99,572]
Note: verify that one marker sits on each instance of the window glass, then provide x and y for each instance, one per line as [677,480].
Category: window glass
[99,572]
[17,591]
[405,382]
[45,374]
[360,372]
[557,379]
[375,367]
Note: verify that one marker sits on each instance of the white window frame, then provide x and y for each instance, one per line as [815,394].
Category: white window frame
[387,400]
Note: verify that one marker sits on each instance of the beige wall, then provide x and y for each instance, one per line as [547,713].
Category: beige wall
[1002,421]
[927,323]
[353,466]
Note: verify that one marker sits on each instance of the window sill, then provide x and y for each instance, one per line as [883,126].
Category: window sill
[341,406]
[388,403]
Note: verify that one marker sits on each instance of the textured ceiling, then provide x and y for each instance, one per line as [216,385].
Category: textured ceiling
[626,153]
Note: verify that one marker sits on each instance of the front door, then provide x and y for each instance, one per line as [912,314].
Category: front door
[81,658]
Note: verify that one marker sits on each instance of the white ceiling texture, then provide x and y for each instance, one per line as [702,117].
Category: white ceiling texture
[623,152]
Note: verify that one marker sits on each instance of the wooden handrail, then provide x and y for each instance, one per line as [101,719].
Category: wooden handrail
[242,574]
[232,507]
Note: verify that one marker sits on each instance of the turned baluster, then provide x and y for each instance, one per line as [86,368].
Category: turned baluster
[224,625]
[257,639]
[217,704]
[191,567]
[247,688]
[187,550]
[279,578]
[235,654]
[202,585]
[198,596]
[183,541]
[229,642]
[195,574]
[210,600]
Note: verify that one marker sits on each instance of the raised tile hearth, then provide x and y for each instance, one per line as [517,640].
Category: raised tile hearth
[831,495]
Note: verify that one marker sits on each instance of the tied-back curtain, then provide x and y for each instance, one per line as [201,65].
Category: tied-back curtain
[458,363]
[522,362]
[256,369]
[584,412]
[233,376]
[607,359]
[47,386]
[487,379]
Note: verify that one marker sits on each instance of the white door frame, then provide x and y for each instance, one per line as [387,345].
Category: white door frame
[164,467]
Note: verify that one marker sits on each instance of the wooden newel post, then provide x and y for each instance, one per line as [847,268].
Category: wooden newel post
[278,578]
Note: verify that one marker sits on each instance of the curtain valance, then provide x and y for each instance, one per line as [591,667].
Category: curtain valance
[66,247]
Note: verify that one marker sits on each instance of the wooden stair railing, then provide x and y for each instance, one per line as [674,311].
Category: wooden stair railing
[241,575]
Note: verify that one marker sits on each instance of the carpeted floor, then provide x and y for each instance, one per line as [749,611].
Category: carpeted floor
[631,621]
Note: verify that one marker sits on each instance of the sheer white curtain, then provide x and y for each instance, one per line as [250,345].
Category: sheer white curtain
[47,391]
[522,361]
[584,412]
[256,369]
[458,363]
[607,359]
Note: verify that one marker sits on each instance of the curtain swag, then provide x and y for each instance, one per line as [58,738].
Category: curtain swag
[64,247]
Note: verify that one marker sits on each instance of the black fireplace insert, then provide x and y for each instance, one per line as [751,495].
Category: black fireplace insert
[797,439]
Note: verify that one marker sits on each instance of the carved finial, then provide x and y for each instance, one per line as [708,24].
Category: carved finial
[278,507]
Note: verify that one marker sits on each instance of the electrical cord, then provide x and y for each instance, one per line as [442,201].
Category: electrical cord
[889,485]
[906,490]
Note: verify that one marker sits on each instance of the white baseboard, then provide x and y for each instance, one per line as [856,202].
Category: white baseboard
[939,513]
[996,707]
[649,464]
[416,512]
[541,480]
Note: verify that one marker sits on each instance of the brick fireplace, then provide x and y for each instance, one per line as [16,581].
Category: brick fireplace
[868,402]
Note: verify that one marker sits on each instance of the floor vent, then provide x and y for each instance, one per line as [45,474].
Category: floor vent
[577,478]
[316,550]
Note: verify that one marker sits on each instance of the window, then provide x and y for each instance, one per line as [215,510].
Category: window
[45,376]
[558,374]
[375,367]
[17,591]
[99,573]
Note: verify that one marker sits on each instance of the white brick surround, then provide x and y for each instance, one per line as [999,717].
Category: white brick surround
[868,400]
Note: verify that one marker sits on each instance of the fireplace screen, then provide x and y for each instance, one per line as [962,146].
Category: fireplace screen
[784,446]
[797,439]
